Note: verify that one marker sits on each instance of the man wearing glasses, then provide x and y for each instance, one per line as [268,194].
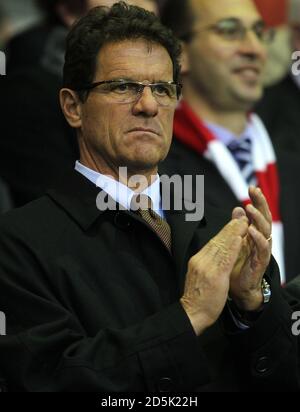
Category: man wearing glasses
[130,299]
[215,132]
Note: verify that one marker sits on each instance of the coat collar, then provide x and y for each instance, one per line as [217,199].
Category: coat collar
[77,196]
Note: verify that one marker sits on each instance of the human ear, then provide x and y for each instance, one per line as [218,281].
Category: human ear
[71,107]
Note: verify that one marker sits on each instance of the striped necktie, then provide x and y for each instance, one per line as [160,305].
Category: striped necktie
[142,205]
[242,153]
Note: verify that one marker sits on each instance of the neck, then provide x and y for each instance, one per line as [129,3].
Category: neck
[136,179]
[233,120]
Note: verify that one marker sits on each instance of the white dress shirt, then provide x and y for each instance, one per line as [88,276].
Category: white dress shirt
[119,192]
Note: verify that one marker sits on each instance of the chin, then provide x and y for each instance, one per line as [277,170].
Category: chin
[147,158]
[138,163]
[252,93]
[247,100]
[143,164]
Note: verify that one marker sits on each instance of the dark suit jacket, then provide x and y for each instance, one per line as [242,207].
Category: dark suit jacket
[184,161]
[279,109]
[92,304]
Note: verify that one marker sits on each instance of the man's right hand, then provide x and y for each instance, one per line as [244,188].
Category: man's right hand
[208,277]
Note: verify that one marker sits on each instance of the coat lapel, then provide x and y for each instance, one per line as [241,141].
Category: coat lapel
[182,235]
[78,197]
[189,237]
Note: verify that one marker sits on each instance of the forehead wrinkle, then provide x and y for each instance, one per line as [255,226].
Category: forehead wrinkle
[140,75]
[122,64]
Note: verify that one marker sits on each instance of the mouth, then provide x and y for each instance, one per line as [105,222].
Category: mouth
[251,73]
[144,130]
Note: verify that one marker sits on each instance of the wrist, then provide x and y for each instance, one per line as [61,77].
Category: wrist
[248,309]
[199,324]
[247,318]
[252,302]
[199,320]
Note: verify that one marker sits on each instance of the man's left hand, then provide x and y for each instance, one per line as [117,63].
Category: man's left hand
[246,278]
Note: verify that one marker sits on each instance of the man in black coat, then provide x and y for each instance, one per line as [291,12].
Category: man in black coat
[102,292]
[222,67]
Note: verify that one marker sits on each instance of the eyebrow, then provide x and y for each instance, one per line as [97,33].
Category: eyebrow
[258,21]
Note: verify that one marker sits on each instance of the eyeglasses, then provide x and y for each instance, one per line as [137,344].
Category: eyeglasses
[122,91]
[234,30]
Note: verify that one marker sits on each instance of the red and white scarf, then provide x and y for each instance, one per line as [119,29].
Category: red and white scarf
[192,132]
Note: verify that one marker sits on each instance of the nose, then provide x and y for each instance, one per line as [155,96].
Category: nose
[146,104]
[253,47]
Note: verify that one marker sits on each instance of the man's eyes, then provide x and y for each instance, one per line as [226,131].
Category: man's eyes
[229,30]
[162,90]
[260,30]
[235,29]
[122,87]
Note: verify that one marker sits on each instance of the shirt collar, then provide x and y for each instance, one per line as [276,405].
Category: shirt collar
[226,136]
[119,192]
